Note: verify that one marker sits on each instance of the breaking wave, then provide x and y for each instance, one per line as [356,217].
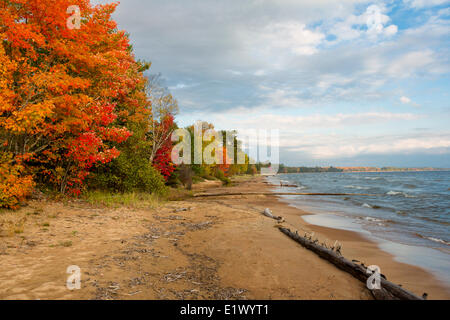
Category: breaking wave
[434,239]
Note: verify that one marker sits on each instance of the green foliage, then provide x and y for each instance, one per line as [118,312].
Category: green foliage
[252,169]
[208,177]
[221,176]
[129,173]
[197,179]
[198,170]
[132,171]
[174,180]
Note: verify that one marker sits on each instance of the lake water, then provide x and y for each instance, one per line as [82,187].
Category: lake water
[408,214]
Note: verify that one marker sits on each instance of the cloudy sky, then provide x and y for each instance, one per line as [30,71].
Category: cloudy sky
[348,82]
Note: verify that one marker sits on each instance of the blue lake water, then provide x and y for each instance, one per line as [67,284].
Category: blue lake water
[408,214]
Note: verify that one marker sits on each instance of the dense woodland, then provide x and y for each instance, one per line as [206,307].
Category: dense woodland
[78,111]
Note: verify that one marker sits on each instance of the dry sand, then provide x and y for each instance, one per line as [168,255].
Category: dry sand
[202,248]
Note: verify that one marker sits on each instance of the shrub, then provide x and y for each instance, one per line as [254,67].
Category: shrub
[221,176]
[14,186]
[197,179]
[127,174]
[174,180]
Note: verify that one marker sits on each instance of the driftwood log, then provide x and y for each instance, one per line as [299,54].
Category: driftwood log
[279,193]
[388,291]
[284,183]
[269,214]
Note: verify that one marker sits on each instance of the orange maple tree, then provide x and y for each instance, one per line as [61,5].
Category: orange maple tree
[66,94]
[226,161]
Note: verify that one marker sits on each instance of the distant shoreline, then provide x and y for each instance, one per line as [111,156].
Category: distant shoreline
[406,170]
[373,171]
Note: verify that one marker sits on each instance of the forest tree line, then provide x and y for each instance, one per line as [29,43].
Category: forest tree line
[78,112]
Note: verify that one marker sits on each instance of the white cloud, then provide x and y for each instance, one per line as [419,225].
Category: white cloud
[444,12]
[417,4]
[406,64]
[261,120]
[280,40]
[373,23]
[328,80]
[322,136]
[390,30]
[405,100]
[408,101]
[285,98]
[393,63]
[260,73]
[341,147]
[235,72]
[178,86]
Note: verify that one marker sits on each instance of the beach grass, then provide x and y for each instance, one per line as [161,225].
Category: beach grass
[179,194]
[129,199]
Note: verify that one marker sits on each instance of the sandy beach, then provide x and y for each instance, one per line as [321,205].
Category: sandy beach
[196,248]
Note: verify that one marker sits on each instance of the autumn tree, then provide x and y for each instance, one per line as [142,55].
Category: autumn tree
[164,108]
[162,159]
[65,93]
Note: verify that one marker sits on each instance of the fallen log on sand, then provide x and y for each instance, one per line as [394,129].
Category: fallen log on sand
[284,183]
[279,194]
[269,214]
[388,290]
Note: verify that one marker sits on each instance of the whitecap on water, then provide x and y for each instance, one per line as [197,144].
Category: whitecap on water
[438,240]
[356,187]
[433,239]
[396,193]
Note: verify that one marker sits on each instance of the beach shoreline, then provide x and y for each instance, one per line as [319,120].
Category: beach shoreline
[398,221]
[195,248]
[362,246]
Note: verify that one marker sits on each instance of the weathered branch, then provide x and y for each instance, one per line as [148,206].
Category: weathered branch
[388,291]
